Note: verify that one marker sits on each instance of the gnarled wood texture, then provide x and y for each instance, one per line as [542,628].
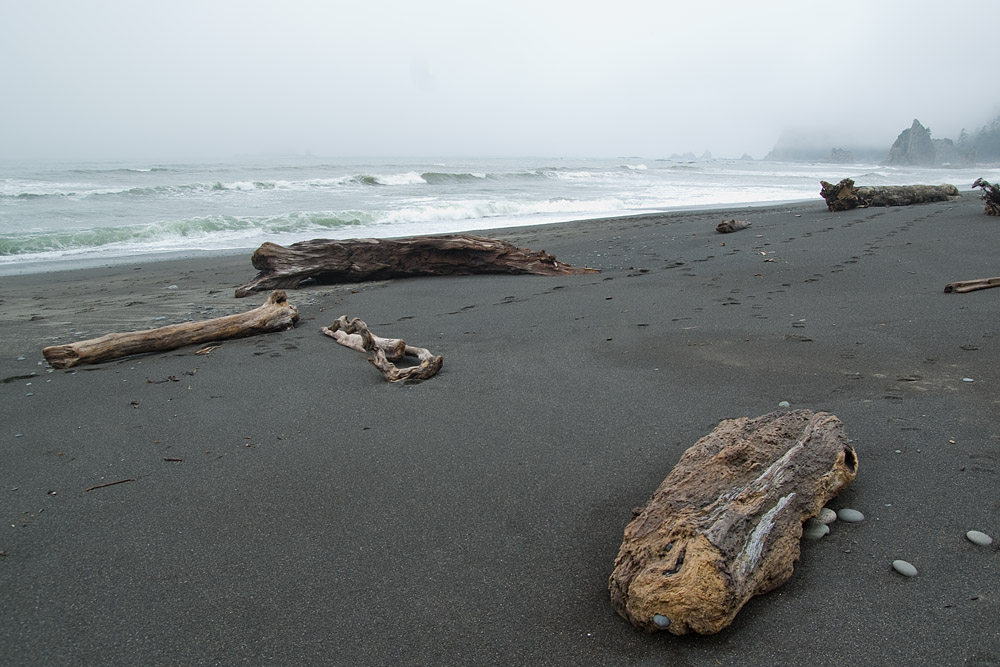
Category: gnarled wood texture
[845,195]
[276,314]
[355,260]
[972,285]
[356,335]
[725,524]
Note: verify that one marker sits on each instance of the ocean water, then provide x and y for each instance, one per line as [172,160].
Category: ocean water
[56,215]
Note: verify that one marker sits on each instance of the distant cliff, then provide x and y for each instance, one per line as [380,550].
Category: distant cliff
[915,147]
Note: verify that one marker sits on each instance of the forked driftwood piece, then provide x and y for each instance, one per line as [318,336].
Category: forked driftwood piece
[355,335]
[730,226]
[972,285]
[276,314]
[355,260]
[725,524]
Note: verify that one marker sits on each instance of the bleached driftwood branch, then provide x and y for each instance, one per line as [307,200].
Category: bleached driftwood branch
[356,335]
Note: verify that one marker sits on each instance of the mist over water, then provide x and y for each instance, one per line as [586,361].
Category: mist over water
[51,214]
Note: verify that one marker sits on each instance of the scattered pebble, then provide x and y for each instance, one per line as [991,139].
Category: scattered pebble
[784,404]
[967,380]
[826,516]
[20,358]
[18,435]
[661,621]
[849,515]
[814,530]
[171,286]
[981,539]
[904,568]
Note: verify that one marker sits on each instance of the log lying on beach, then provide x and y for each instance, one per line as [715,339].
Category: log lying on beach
[725,524]
[356,335]
[845,195]
[356,260]
[276,314]
[730,226]
[971,285]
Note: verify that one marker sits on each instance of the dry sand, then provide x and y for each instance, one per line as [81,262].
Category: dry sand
[287,506]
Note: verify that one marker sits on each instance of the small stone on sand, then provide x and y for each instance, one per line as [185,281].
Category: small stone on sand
[981,539]
[904,568]
[826,515]
[850,516]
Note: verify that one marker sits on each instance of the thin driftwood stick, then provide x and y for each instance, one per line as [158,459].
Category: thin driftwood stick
[356,335]
[101,486]
[355,260]
[276,314]
[972,285]
[725,524]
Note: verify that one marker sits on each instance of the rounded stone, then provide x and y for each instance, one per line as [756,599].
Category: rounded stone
[904,568]
[826,515]
[849,515]
[814,530]
[784,404]
[981,539]
[661,621]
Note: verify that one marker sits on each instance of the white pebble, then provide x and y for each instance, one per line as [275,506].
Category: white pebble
[967,380]
[784,404]
[904,568]
[826,515]
[982,539]
[814,530]
[172,287]
[850,516]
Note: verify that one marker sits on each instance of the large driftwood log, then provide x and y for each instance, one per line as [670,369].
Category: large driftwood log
[276,314]
[844,195]
[355,260]
[971,285]
[356,335]
[725,524]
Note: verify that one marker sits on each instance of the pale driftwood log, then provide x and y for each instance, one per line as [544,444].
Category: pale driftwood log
[355,334]
[356,260]
[972,285]
[276,314]
[845,195]
[730,226]
[725,524]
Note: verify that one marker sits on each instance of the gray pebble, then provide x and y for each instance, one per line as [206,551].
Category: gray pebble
[826,515]
[784,404]
[850,516]
[904,568]
[661,621]
[982,539]
[172,287]
[814,530]
[968,380]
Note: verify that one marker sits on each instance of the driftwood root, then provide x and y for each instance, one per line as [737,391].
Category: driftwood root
[845,195]
[276,314]
[355,334]
[990,195]
[725,524]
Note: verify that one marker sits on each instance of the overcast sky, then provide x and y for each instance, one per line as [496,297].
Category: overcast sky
[137,79]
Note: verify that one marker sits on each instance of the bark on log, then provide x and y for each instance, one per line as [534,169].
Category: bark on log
[971,285]
[276,314]
[356,335]
[356,260]
[730,226]
[844,195]
[725,524]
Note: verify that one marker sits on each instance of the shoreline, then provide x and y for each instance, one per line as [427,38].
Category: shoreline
[277,500]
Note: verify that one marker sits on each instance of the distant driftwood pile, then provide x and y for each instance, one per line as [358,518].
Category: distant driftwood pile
[356,260]
[725,524]
[845,195]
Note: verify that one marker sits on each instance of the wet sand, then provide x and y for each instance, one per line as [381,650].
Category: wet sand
[285,505]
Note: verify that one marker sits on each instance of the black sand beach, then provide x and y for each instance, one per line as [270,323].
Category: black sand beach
[287,506]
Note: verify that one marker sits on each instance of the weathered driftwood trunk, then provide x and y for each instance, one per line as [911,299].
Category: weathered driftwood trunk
[990,194]
[972,285]
[725,524]
[356,335]
[844,195]
[276,314]
[355,260]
